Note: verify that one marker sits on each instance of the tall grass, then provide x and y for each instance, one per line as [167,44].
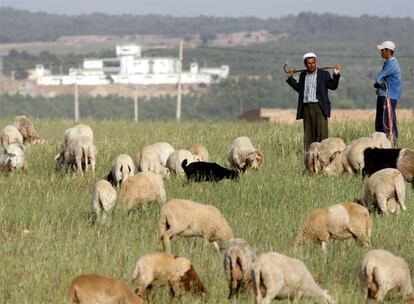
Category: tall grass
[46,239]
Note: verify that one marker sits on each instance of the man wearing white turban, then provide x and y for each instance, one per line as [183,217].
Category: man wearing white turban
[314,106]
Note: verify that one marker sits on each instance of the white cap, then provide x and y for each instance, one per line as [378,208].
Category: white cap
[387,45]
[309,55]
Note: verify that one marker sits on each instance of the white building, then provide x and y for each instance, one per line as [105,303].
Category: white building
[130,68]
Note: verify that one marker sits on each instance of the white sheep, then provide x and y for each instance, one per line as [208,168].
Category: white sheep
[356,152]
[238,263]
[9,135]
[242,155]
[199,151]
[96,289]
[78,152]
[13,158]
[339,163]
[164,150]
[384,274]
[382,140]
[26,128]
[164,268]
[282,277]
[122,168]
[176,158]
[75,132]
[148,159]
[386,190]
[341,221]
[103,199]
[188,218]
[405,164]
[142,188]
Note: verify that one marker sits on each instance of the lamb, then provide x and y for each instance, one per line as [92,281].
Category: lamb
[103,199]
[199,151]
[384,274]
[122,168]
[188,218]
[149,160]
[164,268]
[341,221]
[281,277]
[96,289]
[9,135]
[386,190]
[339,163]
[319,155]
[238,264]
[79,152]
[75,132]
[26,128]
[176,158]
[201,171]
[242,155]
[142,188]
[13,158]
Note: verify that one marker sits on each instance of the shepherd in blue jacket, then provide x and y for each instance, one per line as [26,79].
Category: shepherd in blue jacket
[387,82]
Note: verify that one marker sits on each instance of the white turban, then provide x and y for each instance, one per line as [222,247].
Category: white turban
[309,55]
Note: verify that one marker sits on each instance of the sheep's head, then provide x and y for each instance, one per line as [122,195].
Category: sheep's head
[255,159]
[191,282]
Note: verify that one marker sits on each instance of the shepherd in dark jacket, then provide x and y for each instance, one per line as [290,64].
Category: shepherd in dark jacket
[314,106]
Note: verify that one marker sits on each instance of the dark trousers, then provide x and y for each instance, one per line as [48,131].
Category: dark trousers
[315,124]
[381,117]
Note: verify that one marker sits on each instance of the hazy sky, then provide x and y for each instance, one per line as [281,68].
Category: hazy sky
[234,8]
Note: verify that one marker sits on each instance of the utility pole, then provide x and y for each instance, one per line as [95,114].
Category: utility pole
[76,102]
[1,75]
[136,104]
[180,68]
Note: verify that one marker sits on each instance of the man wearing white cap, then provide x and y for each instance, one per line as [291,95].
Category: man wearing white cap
[314,106]
[388,84]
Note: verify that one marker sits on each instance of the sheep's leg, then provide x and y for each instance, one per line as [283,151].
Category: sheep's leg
[166,242]
[362,236]
[323,246]
[79,164]
[215,244]
[271,294]
[382,203]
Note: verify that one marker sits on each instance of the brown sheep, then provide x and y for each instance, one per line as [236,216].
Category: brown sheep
[27,129]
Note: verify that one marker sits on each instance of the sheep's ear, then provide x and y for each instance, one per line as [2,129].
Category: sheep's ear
[260,154]
[336,153]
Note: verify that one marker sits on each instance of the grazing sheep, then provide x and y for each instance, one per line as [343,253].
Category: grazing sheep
[13,158]
[384,274]
[103,199]
[187,218]
[199,151]
[148,159]
[282,277]
[79,153]
[238,265]
[96,289]
[319,154]
[356,152]
[164,150]
[242,155]
[9,135]
[385,189]
[382,140]
[26,128]
[75,132]
[339,163]
[376,159]
[341,221]
[201,171]
[163,268]
[405,163]
[122,168]
[176,158]
[142,188]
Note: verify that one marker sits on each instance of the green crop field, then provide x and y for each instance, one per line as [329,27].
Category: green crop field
[46,239]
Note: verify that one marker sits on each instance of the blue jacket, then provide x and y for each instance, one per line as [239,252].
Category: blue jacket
[324,81]
[391,73]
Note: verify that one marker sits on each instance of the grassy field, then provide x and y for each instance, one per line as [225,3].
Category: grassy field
[46,239]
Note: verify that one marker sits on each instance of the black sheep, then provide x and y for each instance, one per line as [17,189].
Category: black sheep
[376,159]
[204,171]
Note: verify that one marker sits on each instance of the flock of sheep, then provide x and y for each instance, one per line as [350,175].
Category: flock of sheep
[268,276]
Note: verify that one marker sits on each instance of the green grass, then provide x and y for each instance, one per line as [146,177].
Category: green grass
[265,207]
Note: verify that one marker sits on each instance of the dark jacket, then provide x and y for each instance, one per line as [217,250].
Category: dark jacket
[324,81]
